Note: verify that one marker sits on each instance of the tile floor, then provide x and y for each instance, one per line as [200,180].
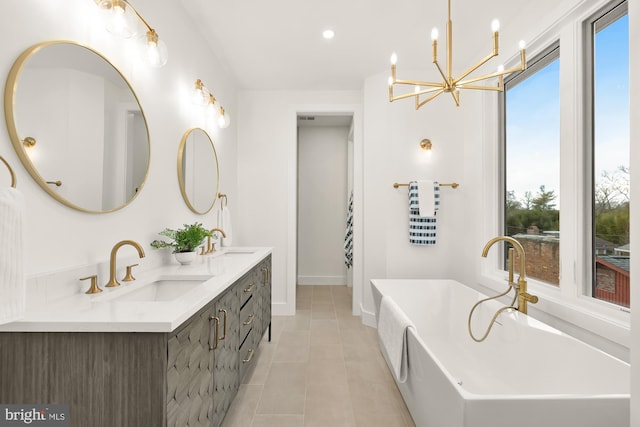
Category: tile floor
[322,368]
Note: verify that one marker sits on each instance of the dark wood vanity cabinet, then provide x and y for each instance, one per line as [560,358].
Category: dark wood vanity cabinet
[187,377]
[226,378]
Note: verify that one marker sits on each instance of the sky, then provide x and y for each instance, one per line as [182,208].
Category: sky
[533,116]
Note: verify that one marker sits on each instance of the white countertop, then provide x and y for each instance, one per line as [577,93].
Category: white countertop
[104,312]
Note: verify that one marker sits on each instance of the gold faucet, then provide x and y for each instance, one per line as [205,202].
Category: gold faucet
[112,261]
[211,247]
[521,286]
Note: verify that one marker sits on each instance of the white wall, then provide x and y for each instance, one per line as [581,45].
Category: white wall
[393,132]
[267,141]
[60,238]
[322,183]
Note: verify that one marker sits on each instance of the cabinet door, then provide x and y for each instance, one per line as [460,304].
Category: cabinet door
[265,295]
[226,375]
[190,372]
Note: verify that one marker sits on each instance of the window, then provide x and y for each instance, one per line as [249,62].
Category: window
[531,104]
[588,139]
[608,78]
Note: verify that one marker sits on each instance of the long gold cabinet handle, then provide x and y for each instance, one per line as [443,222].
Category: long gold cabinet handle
[249,357]
[224,332]
[249,320]
[214,331]
[250,288]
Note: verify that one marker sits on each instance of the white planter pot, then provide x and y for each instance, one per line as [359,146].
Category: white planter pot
[185,258]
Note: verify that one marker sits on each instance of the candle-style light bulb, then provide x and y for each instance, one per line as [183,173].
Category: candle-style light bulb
[522,44]
[416,89]
[434,34]
[495,25]
[394,58]
[500,68]
[390,81]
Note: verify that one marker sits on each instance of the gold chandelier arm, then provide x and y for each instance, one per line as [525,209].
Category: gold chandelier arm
[430,90]
[436,87]
[404,96]
[418,105]
[461,83]
[456,96]
[479,87]
[474,67]
[417,83]
[440,70]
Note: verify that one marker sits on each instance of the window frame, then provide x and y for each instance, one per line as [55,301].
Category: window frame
[537,63]
[567,307]
[607,15]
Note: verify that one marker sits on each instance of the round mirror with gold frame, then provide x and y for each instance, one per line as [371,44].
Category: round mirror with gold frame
[77,126]
[198,172]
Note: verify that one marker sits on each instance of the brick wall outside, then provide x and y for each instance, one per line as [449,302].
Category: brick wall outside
[542,254]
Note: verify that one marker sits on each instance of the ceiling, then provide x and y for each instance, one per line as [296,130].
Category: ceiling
[278,44]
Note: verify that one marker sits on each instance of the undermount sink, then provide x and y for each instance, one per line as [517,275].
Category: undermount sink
[238,251]
[162,290]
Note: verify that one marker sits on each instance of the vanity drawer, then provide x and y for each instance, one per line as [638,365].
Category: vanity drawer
[247,320]
[247,354]
[248,288]
[248,351]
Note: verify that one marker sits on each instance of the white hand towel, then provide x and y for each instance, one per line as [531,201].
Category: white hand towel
[12,282]
[393,327]
[426,198]
[226,226]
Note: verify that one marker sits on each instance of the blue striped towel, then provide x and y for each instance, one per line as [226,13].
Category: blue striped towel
[422,225]
[348,235]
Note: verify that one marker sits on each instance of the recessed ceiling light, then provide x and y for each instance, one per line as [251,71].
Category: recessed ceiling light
[328,34]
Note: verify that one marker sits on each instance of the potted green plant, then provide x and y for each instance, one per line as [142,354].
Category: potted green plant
[183,241]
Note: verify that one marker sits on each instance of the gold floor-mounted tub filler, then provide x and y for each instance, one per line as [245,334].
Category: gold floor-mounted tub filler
[521,294]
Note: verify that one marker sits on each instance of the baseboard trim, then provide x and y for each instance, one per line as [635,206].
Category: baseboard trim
[368,318]
[283,309]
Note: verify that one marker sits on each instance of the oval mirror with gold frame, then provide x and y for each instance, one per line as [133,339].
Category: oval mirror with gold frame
[77,126]
[198,173]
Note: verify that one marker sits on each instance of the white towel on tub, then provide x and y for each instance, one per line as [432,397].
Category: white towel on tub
[12,282]
[393,327]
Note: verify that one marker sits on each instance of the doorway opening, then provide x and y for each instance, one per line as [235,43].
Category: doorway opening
[324,192]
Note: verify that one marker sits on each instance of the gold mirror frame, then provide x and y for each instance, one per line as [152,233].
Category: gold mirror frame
[181,174]
[19,143]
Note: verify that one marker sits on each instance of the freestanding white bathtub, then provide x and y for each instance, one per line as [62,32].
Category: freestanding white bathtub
[525,374]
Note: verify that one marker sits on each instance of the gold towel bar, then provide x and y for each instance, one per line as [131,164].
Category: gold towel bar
[452,185]
[13,175]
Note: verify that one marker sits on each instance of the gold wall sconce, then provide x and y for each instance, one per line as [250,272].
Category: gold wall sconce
[124,21]
[29,142]
[203,97]
[426,145]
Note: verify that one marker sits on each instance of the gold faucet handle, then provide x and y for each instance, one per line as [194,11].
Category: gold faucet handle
[93,289]
[530,298]
[128,277]
[202,251]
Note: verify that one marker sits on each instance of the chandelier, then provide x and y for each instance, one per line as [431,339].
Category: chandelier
[430,90]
